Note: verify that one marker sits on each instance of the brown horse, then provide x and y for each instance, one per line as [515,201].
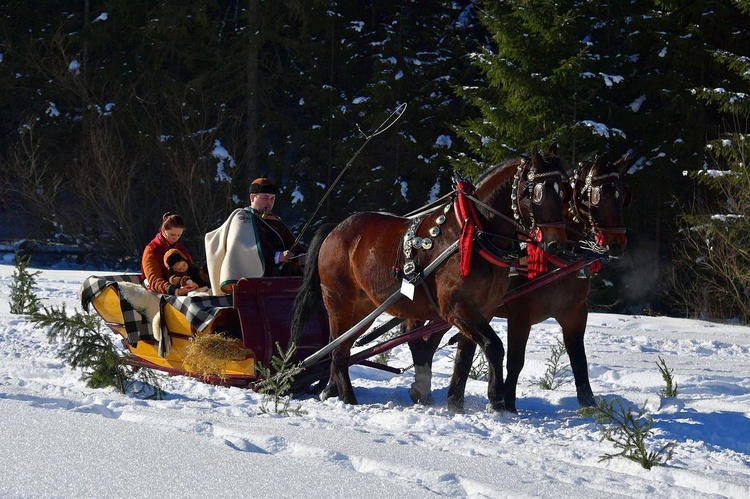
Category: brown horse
[455,260]
[595,221]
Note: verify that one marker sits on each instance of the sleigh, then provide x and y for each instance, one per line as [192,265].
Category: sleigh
[257,315]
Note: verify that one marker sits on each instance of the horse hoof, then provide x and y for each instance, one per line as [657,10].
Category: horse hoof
[418,398]
[587,401]
[328,392]
[456,408]
[498,406]
[585,396]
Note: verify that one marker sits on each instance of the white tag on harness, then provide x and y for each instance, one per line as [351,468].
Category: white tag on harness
[407,289]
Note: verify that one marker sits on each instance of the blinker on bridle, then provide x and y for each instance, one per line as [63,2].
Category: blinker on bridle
[591,197]
[535,188]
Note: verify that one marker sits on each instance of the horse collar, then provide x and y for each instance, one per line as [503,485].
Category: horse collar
[413,243]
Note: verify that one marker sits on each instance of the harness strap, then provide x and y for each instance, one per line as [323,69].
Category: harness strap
[419,279]
[357,328]
[471,225]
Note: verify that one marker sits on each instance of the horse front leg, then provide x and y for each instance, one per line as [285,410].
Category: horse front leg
[494,352]
[574,329]
[518,336]
[480,331]
[422,353]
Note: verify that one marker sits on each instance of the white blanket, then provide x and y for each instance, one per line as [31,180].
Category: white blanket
[233,251]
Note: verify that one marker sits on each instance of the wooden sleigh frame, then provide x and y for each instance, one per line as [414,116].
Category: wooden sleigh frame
[259,315]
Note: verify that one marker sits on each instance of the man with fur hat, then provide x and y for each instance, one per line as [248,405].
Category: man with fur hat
[253,242]
[275,237]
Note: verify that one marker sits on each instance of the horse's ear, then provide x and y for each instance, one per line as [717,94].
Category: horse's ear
[535,157]
[622,163]
[601,163]
[552,151]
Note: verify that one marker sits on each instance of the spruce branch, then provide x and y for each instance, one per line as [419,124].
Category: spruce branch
[628,431]
[23,300]
[479,369]
[557,371]
[671,387]
[88,348]
[276,382]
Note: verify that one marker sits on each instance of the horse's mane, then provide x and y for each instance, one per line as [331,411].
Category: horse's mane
[502,168]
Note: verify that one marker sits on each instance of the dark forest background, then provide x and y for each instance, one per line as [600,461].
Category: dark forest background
[115,111]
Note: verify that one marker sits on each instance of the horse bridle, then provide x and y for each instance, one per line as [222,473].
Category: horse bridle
[582,203]
[533,187]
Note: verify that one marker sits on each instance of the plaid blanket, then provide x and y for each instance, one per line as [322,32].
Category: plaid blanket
[199,310]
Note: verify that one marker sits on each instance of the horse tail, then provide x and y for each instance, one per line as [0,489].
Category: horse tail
[309,299]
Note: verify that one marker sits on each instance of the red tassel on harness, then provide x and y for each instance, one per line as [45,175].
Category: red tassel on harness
[465,246]
[536,260]
[467,219]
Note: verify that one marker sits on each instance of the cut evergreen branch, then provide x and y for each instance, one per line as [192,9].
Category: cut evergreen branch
[629,432]
[276,382]
[88,348]
[666,373]
[23,300]
[384,357]
[557,371]
[478,370]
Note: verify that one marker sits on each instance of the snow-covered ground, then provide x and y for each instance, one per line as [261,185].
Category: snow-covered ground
[62,439]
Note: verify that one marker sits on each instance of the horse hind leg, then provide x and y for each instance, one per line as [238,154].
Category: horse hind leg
[465,350]
[341,317]
[339,383]
[573,335]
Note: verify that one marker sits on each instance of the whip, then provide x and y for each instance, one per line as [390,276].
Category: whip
[389,122]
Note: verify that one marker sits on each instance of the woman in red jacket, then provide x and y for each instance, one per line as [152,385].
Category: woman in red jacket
[153,271]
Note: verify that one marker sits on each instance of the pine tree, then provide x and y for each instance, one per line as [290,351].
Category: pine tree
[545,80]
[23,299]
[712,276]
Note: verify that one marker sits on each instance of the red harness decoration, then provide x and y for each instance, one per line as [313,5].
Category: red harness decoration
[467,219]
[466,213]
[465,247]
[536,261]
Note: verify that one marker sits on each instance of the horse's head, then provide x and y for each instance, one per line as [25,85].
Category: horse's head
[599,196]
[540,189]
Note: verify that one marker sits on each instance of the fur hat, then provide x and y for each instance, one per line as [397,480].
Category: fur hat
[263,185]
[173,256]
